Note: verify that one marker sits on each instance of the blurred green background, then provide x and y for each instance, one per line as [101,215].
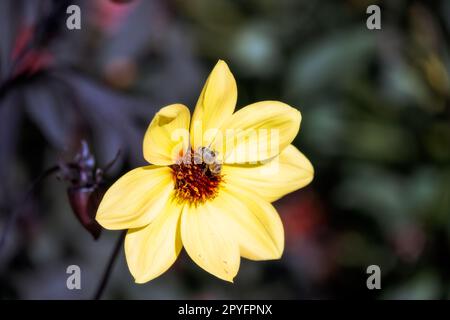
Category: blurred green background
[376,126]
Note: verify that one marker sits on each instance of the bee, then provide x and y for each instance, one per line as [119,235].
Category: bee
[207,157]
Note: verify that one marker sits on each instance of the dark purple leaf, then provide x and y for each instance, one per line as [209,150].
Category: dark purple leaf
[49,113]
[10,115]
[111,115]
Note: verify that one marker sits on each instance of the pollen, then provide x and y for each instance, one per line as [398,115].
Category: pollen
[197,177]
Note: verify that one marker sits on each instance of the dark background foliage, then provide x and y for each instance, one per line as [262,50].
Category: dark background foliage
[376,126]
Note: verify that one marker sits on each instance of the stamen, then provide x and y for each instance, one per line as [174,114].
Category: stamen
[197,176]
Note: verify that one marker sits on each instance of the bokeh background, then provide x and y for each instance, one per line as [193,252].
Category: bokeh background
[376,126]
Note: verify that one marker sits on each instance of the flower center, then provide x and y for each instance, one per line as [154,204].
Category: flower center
[197,176]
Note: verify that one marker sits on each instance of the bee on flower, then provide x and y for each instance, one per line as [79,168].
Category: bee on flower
[209,187]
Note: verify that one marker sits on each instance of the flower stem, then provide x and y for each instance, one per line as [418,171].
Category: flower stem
[107,273]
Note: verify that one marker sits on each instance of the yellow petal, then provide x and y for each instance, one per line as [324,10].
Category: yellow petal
[215,105]
[289,171]
[253,222]
[167,136]
[136,198]
[258,132]
[151,250]
[207,241]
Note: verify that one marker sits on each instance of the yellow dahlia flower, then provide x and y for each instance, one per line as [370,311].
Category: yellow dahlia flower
[210,184]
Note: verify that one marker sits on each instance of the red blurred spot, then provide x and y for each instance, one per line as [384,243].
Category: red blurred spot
[109,15]
[23,39]
[408,241]
[26,59]
[33,62]
[302,216]
[121,72]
